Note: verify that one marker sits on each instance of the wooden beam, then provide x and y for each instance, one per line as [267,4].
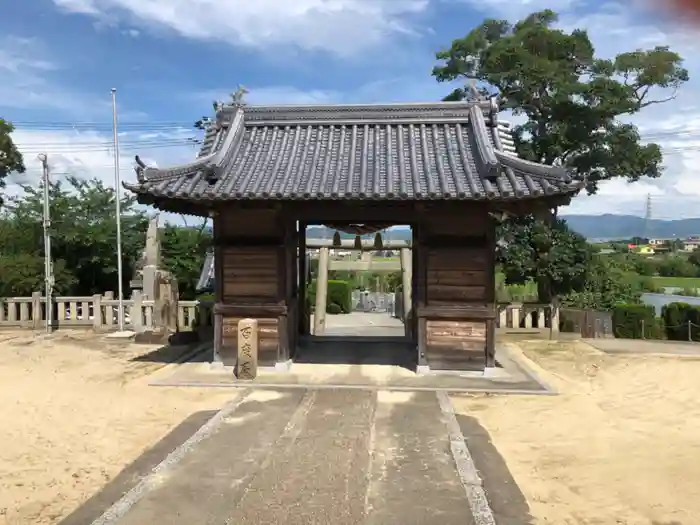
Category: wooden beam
[250,310]
[365,266]
[476,312]
[448,241]
[367,245]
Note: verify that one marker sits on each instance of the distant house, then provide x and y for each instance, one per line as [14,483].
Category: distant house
[658,242]
[644,250]
[691,244]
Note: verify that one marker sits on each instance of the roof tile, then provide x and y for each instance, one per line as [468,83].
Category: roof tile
[406,152]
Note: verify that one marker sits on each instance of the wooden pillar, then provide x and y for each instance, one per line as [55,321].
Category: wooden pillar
[303,327]
[490,349]
[218,338]
[407,284]
[218,290]
[419,265]
[321,292]
[284,289]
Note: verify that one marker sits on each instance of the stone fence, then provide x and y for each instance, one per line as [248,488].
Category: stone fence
[99,312]
[527,316]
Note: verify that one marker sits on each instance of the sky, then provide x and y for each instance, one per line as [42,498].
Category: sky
[169,59]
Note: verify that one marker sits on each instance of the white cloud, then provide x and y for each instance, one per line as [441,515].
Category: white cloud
[266,95]
[28,73]
[614,28]
[514,9]
[89,154]
[344,27]
[675,125]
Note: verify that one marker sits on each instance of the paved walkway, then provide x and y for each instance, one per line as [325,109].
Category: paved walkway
[305,457]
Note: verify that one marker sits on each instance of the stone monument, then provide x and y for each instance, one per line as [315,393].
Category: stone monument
[159,286]
[247,363]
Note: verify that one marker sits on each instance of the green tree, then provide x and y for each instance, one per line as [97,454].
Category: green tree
[530,250]
[674,266]
[605,286]
[23,274]
[83,234]
[572,101]
[694,259]
[10,157]
[183,252]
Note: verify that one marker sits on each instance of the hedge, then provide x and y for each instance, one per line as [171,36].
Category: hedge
[635,321]
[676,318]
[339,293]
[334,309]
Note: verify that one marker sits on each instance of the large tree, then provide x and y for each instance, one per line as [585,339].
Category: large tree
[573,103]
[10,157]
[184,250]
[531,249]
[83,235]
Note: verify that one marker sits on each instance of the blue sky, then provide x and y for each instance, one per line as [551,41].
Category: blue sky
[169,59]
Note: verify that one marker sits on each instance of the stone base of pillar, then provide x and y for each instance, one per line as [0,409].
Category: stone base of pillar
[283,366]
[152,337]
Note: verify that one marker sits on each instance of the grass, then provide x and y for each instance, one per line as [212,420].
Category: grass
[514,292]
[677,282]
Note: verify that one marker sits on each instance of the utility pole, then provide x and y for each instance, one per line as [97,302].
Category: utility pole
[647,218]
[48,266]
[117,198]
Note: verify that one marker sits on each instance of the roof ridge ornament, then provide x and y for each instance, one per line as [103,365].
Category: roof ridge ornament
[237,96]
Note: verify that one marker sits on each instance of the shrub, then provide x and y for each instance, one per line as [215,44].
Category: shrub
[334,309]
[676,318]
[634,321]
[567,325]
[340,293]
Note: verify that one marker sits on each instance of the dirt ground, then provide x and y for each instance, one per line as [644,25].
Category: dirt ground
[619,446]
[74,412]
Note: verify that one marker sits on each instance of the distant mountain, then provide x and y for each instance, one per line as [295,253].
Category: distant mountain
[321,232]
[626,226]
[606,226]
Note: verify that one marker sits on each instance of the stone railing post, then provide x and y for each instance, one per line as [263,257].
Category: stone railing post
[515,314]
[37,311]
[96,312]
[137,311]
[502,316]
[541,316]
[554,318]
[109,310]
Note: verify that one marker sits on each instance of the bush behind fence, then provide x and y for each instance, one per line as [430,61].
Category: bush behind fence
[678,322]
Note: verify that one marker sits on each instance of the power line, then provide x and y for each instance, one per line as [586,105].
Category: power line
[96,148]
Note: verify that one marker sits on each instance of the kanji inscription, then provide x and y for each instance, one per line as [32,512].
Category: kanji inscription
[247,349]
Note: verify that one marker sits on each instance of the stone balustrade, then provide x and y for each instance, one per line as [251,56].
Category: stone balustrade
[527,316]
[99,312]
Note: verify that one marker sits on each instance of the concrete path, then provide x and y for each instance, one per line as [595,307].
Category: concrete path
[305,457]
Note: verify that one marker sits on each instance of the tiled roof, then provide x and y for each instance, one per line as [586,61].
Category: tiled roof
[443,150]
